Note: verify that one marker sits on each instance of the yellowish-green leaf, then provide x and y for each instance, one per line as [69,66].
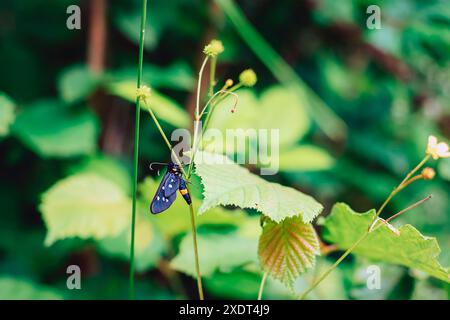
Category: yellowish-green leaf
[69,133]
[288,249]
[277,108]
[226,183]
[218,252]
[410,248]
[164,108]
[86,206]
[149,246]
[7,114]
[305,158]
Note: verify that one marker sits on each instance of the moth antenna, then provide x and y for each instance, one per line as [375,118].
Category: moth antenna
[160,163]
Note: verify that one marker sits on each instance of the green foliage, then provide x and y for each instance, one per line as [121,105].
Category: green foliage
[287,249]
[311,73]
[277,108]
[226,183]
[86,206]
[410,248]
[20,289]
[305,158]
[219,251]
[149,246]
[7,114]
[76,83]
[69,133]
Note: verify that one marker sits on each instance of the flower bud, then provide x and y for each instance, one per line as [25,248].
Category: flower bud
[428,173]
[229,83]
[143,92]
[214,48]
[248,78]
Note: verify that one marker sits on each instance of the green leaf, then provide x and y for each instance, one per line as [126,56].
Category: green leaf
[86,206]
[410,248]
[277,108]
[69,133]
[77,83]
[226,183]
[164,108]
[218,252]
[21,289]
[7,114]
[106,166]
[149,246]
[305,158]
[288,249]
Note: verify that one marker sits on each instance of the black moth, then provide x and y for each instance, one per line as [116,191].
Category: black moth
[167,190]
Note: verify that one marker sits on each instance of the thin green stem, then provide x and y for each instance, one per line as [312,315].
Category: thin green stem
[371,227]
[166,140]
[197,115]
[219,100]
[136,149]
[197,260]
[401,185]
[261,286]
[212,75]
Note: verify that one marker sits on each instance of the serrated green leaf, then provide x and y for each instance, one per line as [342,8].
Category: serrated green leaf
[305,158]
[7,114]
[69,133]
[76,83]
[85,206]
[252,112]
[149,246]
[21,289]
[410,248]
[164,108]
[217,251]
[288,249]
[226,183]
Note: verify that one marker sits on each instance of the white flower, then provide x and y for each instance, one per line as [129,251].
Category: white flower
[437,149]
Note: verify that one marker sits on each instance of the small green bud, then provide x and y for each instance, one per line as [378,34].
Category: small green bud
[143,92]
[248,78]
[214,48]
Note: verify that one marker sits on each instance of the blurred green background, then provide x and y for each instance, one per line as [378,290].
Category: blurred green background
[66,138]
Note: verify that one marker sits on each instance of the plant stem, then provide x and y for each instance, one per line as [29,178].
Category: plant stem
[212,75]
[136,149]
[402,184]
[197,115]
[197,260]
[166,140]
[371,228]
[261,287]
[408,208]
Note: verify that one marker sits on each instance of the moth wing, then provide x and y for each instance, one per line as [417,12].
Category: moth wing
[170,184]
[162,199]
